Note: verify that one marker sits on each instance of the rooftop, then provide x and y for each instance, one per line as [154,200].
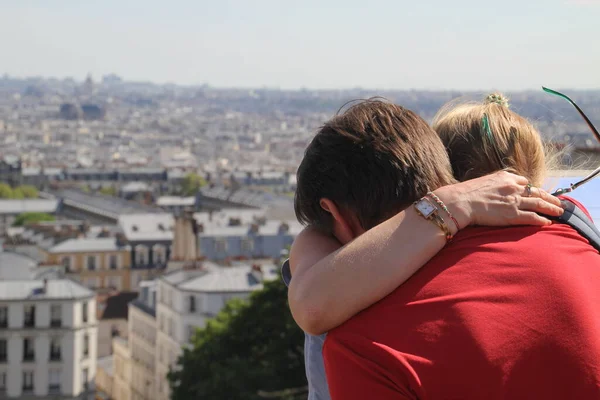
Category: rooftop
[108,206]
[60,289]
[28,205]
[147,227]
[84,245]
[116,306]
[221,279]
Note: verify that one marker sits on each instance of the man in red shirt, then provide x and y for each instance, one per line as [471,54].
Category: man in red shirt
[506,313]
[498,313]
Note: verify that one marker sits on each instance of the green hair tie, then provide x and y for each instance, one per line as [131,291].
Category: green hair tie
[487,132]
[485,125]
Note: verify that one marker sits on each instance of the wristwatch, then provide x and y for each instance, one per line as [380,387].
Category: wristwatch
[428,210]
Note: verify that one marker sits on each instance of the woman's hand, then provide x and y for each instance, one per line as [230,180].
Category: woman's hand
[499,199]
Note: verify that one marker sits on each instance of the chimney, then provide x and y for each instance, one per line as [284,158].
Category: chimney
[45,285]
[257,272]
[253,229]
[284,228]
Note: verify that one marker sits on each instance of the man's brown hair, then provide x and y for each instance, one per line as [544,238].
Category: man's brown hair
[374,159]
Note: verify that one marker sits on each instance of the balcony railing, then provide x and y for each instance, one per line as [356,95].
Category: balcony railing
[4,323]
[56,323]
[29,357]
[53,389]
[55,356]
[29,322]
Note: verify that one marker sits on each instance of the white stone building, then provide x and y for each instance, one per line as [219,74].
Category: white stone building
[187,298]
[48,339]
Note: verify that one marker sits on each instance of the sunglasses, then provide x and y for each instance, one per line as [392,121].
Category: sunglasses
[595,172]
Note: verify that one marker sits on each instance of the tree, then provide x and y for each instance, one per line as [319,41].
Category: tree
[6,191]
[109,191]
[191,184]
[251,350]
[17,193]
[32,218]
[30,192]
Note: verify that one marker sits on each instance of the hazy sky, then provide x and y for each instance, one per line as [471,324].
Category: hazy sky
[379,44]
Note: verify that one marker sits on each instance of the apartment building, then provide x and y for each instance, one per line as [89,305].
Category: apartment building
[257,240]
[129,373]
[95,262]
[187,298]
[48,340]
[142,342]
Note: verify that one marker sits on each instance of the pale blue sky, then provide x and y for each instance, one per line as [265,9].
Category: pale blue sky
[379,44]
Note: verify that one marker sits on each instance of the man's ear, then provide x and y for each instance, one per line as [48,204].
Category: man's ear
[342,226]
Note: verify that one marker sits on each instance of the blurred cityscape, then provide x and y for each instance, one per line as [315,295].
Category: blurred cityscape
[131,212]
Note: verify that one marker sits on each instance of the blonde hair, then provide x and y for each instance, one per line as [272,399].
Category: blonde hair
[488,137]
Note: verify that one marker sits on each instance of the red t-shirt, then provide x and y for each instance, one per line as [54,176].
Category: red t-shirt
[500,313]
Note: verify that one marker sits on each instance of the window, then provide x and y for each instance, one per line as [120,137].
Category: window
[55,349]
[159,254]
[3,350]
[28,349]
[2,382]
[55,315]
[92,283]
[161,323]
[29,317]
[160,353]
[171,325]
[66,262]
[141,255]
[192,303]
[3,317]
[220,245]
[91,263]
[247,244]
[191,332]
[54,381]
[86,345]
[113,261]
[84,315]
[27,381]
[84,379]
[113,282]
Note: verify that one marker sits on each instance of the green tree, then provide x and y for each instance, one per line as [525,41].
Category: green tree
[251,350]
[109,191]
[31,218]
[191,184]
[17,193]
[30,192]
[6,191]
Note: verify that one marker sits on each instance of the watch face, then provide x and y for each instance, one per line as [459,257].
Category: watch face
[425,207]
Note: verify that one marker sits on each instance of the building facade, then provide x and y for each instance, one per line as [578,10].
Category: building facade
[97,263]
[48,334]
[187,298]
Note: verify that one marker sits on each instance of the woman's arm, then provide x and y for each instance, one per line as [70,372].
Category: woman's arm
[331,283]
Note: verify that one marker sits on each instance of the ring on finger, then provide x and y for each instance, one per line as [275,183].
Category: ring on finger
[528,189]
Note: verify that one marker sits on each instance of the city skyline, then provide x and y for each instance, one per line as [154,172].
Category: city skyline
[465,45]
